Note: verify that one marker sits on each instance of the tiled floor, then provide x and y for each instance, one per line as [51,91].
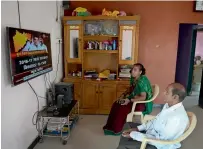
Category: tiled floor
[88,133]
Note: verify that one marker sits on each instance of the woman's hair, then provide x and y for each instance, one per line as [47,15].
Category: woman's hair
[141,67]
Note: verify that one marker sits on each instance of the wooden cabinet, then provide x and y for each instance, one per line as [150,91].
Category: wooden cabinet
[94,44]
[98,98]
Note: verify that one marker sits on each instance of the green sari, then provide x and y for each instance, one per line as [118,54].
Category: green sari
[142,85]
[118,114]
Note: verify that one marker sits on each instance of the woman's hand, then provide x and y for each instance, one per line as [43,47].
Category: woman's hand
[129,131]
[125,101]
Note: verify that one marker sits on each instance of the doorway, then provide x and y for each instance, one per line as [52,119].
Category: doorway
[189,64]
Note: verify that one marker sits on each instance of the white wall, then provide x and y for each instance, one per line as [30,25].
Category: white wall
[19,103]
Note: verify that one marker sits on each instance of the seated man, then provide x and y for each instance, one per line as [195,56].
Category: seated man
[169,124]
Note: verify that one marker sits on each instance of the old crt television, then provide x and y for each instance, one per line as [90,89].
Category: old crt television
[30,54]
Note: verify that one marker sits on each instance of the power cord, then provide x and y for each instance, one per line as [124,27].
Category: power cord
[37,97]
[36,122]
[57,61]
[19,20]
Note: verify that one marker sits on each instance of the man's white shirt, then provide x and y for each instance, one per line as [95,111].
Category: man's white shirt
[169,124]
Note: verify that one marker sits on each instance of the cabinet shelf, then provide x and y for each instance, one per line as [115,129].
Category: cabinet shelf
[101,51]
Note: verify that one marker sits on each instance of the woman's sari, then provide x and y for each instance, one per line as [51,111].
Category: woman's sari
[118,113]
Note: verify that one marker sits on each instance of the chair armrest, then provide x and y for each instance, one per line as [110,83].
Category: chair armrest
[147,140]
[159,141]
[136,102]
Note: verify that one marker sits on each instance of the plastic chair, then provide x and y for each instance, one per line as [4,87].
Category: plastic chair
[155,89]
[188,131]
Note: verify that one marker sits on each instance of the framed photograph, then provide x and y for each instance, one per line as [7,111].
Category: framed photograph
[198,6]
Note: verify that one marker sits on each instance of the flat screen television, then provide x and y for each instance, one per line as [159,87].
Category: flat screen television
[30,54]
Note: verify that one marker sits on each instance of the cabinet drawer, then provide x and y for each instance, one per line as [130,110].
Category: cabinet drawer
[122,87]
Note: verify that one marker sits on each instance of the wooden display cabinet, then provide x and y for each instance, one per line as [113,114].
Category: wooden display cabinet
[98,43]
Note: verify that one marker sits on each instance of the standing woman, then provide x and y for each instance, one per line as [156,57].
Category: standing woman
[140,90]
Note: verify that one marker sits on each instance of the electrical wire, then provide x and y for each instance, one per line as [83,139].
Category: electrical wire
[19,19]
[57,61]
[36,122]
[57,11]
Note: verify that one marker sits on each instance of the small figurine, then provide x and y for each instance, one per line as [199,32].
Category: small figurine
[100,45]
[115,13]
[89,47]
[81,12]
[122,13]
[106,43]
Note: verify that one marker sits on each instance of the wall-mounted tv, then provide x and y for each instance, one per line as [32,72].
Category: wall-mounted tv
[30,54]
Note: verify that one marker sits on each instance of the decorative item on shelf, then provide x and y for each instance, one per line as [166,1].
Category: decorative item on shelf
[81,12]
[112,76]
[125,71]
[89,47]
[114,45]
[106,43]
[110,13]
[100,45]
[96,45]
[79,73]
[104,74]
[122,13]
[73,74]
[90,74]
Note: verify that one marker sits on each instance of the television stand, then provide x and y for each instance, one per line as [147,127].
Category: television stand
[60,125]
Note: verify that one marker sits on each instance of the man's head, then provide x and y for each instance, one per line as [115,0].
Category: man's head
[36,40]
[174,94]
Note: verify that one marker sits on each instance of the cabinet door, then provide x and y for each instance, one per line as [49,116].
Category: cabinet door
[77,91]
[73,42]
[90,95]
[127,50]
[107,95]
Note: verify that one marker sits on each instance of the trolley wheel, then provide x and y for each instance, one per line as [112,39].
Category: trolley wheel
[41,140]
[64,142]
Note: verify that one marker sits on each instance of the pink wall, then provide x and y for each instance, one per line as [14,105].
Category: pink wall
[199,44]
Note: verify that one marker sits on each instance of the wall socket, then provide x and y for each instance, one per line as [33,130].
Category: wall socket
[59,40]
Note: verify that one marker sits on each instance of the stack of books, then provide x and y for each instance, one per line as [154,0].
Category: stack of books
[91,74]
[124,73]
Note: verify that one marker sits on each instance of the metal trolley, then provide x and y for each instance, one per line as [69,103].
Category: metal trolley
[65,120]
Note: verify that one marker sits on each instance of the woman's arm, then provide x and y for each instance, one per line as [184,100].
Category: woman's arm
[141,97]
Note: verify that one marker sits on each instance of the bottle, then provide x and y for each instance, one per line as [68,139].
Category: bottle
[114,44]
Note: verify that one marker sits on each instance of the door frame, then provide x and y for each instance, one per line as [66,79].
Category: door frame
[200,102]
[196,28]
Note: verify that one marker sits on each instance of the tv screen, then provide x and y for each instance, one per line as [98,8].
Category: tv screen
[30,54]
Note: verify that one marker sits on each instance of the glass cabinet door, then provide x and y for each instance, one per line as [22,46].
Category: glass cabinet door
[73,43]
[127,45]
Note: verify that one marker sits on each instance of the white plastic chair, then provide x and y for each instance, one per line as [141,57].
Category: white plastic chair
[188,131]
[155,89]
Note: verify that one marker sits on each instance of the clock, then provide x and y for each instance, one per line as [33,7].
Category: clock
[198,5]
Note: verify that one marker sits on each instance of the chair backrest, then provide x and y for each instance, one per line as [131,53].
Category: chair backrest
[193,121]
[155,90]
[188,131]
